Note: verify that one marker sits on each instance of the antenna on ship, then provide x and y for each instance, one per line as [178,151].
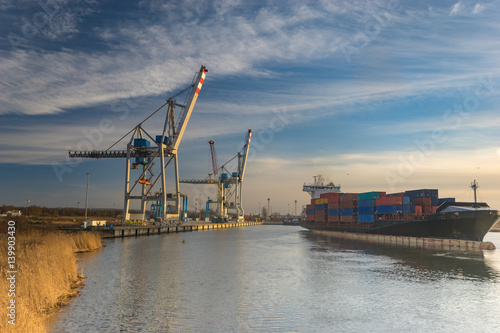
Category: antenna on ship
[474,186]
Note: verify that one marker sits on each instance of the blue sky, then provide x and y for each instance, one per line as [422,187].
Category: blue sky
[374,95]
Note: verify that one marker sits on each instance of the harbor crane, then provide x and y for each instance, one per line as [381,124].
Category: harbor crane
[160,151]
[229,184]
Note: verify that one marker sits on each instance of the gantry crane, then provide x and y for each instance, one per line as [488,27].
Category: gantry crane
[229,184]
[147,150]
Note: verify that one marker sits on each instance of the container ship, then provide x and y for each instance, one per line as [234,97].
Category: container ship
[413,213]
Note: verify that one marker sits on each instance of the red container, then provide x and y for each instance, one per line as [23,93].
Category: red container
[423,201]
[349,197]
[333,218]
[418,210]
[389,201]
[348,218]
[309,217]
[434,208]
[348,204]
[332,197]
[427,210]
[320,215]
[309,207]
[333,205]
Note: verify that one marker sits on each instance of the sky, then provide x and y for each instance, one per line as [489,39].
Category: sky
[373,95]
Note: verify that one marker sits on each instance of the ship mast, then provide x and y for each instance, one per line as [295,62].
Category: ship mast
[474,186]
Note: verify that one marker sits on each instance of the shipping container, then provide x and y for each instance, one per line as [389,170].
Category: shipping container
[366,203]
[407,209]
[320,201]
[366,218]
[348,204]
[386,201]
[346,211]
[333,218]
[331,197]
[333,205]
[309,207]
[390,209]
[310,212]
[332,212]
[418,210]
[348,218]
[319,216]
[321,207]
[425,201]
[158,139]
[370,195]
[366,210]
[415,193]
[443,200]
[406,200]
[349,197]
[434,208]
[309,217]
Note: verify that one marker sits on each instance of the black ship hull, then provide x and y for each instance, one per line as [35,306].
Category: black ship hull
[466,225]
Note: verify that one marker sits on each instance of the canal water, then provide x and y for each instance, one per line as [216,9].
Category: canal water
[281,279]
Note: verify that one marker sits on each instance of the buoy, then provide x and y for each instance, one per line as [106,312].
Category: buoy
[183,241]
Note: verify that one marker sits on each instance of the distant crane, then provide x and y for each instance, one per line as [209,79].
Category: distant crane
[229,184]
[163,148]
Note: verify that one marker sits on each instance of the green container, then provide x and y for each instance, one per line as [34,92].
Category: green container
[368,195]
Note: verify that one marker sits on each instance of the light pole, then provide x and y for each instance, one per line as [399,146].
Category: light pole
[27,202]
[87,194]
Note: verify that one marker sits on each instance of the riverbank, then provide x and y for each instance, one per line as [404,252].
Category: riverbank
[46,275]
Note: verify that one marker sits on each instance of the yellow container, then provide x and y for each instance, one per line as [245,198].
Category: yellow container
[321,201]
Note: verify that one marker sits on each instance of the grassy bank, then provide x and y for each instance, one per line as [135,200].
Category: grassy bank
[46,277]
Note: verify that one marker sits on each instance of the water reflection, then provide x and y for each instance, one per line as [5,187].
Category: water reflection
[415,263]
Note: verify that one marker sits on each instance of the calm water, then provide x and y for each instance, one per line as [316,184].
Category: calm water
[283,279]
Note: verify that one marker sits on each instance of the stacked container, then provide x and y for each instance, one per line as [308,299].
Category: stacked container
[363,209]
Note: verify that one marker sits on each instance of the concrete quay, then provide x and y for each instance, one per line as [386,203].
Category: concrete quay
[146,230]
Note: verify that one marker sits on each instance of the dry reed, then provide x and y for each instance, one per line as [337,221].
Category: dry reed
[46,275]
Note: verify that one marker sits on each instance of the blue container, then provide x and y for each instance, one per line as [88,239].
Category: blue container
[347,211]
[158,139]
[415,193]
[434,201]
[366,218]
[234,174]
[367,203]
[226,185]
[321,207]
[406,200]
[224,176]
[366,210]
[333,212]
[368,195]
[390,209]
[141,143]
[310,212]
[408,209]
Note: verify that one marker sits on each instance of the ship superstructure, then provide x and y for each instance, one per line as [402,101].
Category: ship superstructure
[318,187]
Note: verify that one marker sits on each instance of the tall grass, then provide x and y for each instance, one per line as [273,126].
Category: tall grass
[46,276]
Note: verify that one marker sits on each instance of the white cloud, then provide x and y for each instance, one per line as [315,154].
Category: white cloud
[455,9]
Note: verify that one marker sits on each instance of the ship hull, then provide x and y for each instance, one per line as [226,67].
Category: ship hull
[470,225]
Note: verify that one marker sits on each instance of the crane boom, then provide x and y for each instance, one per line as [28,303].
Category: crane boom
[243,164]
[214,158]
[188,108]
